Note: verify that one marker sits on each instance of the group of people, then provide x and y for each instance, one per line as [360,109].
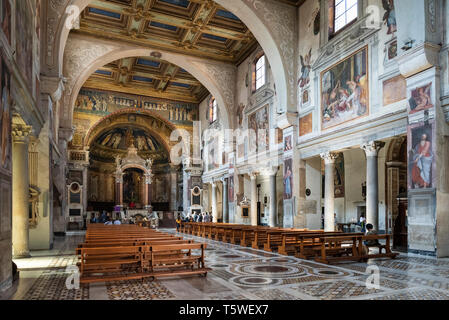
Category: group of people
[104,218]
[195,217]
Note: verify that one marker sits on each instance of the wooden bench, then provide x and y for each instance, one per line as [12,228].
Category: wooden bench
[121,253]
[386,247]
[339,248]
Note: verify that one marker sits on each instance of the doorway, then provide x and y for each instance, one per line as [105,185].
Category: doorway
[396,189]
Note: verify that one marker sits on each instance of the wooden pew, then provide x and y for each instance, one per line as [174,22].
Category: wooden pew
[386,247]
[118,253]
[339,248]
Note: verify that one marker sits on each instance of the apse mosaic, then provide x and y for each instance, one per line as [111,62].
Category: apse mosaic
[120,138]
[102,103]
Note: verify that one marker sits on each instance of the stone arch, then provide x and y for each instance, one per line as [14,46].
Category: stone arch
[84,55]
[272,23]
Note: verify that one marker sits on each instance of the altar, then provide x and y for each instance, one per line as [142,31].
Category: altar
[133,178]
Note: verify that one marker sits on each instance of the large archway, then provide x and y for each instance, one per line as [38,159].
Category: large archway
[272,23]
[85,55]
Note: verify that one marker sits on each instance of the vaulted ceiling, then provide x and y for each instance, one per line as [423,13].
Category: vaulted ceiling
[196,27]
[150,77]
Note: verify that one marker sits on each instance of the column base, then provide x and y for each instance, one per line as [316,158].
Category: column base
[21,255]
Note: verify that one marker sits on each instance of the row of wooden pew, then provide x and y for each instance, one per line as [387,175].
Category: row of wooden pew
[325,247]
[122,252]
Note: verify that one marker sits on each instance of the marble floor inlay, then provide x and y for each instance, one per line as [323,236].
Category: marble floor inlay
[239,274]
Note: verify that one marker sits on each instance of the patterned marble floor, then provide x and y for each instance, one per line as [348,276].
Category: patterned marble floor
[240,274]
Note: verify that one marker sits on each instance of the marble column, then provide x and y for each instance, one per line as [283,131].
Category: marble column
[253,177]
[174,188]
[147,191]
[273,198]
[21,192]
[329,187]
[214,202]
[372,182]
[225,201]
[119,190]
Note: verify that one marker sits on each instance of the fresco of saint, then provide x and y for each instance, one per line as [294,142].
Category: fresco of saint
[422,163]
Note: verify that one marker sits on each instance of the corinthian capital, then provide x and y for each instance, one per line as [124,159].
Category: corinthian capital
[372,148]
[329,157]
[19,129]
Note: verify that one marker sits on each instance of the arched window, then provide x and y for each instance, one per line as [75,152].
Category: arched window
[259,72]
[213,111]
[341,14]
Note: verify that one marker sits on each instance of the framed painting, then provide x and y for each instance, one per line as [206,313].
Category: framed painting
[345,90]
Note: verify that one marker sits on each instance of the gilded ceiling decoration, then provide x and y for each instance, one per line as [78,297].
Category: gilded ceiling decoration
[196,27]
[148,76]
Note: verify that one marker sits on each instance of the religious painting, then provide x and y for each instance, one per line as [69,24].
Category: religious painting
[5,18]
[102,103]
[305,69]
[421,99]
[339,177]
[240,109]
[258,125]
[421,156]
[392,49]
[344,90]
[394,90]
[212,154]
[5,115]
[389,16]
[305,97]
[132,182]
[288,143]
[288,178]
[231,189]
[305,125]
[24,40]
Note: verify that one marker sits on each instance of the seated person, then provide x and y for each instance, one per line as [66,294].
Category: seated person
[369,232]
[117,222]
[103,217]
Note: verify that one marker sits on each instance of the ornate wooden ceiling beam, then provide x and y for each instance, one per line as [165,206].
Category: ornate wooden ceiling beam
[169,19]
[156,43]
[170,76]
[139,89]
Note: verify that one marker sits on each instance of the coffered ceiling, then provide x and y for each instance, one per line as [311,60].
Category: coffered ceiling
[195,27]
[150,77]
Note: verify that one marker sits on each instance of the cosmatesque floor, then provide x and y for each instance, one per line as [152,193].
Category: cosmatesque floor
[240,274]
